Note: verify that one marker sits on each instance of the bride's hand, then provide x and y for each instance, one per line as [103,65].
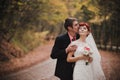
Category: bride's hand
[90,59]
[85,57]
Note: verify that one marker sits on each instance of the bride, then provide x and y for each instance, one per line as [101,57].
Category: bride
[86,56]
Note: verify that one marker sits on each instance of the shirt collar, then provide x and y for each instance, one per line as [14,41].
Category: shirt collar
[71,37]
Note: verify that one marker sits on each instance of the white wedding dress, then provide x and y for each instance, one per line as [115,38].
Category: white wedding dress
[92,71]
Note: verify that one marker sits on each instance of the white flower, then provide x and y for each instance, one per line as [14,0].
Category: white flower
[87,53]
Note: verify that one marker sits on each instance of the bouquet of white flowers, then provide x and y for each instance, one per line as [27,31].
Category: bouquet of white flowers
[87,52]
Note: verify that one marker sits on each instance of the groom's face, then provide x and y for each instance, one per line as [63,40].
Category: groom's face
[75,26]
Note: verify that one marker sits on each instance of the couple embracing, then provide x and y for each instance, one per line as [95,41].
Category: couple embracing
[76,53]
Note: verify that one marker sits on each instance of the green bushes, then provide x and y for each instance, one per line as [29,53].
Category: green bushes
[29,40]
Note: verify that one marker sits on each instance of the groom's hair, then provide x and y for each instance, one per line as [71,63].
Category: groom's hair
[69,22]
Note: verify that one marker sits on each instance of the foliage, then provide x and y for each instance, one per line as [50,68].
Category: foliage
[110,10]
[27,22]
[29,40]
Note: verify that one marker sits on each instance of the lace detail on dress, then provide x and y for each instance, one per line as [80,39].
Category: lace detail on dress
[91,71]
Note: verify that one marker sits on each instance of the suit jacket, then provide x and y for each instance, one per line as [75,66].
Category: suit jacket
[64,69]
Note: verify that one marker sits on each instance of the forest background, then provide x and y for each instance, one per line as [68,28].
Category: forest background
[27,24]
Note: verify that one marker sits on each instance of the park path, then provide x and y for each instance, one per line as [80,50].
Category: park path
[41,71]
[45,70]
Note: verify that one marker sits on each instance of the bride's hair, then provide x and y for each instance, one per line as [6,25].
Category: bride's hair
[85,24]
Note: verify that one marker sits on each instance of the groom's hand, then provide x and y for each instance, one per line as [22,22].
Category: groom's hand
[71,48]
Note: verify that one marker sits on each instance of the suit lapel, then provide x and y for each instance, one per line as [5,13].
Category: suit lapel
[67,39]
[77,36]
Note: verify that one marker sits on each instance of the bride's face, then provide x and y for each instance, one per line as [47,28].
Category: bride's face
[83,30]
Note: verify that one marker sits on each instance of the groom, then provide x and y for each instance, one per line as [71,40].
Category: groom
[64,69]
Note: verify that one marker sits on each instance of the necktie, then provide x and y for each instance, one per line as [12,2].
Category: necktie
[74,38]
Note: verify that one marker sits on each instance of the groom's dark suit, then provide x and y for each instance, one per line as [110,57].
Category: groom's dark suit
[64,70]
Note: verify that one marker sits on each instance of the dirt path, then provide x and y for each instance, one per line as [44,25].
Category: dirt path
[36,56]
[110,63]
[41,71]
